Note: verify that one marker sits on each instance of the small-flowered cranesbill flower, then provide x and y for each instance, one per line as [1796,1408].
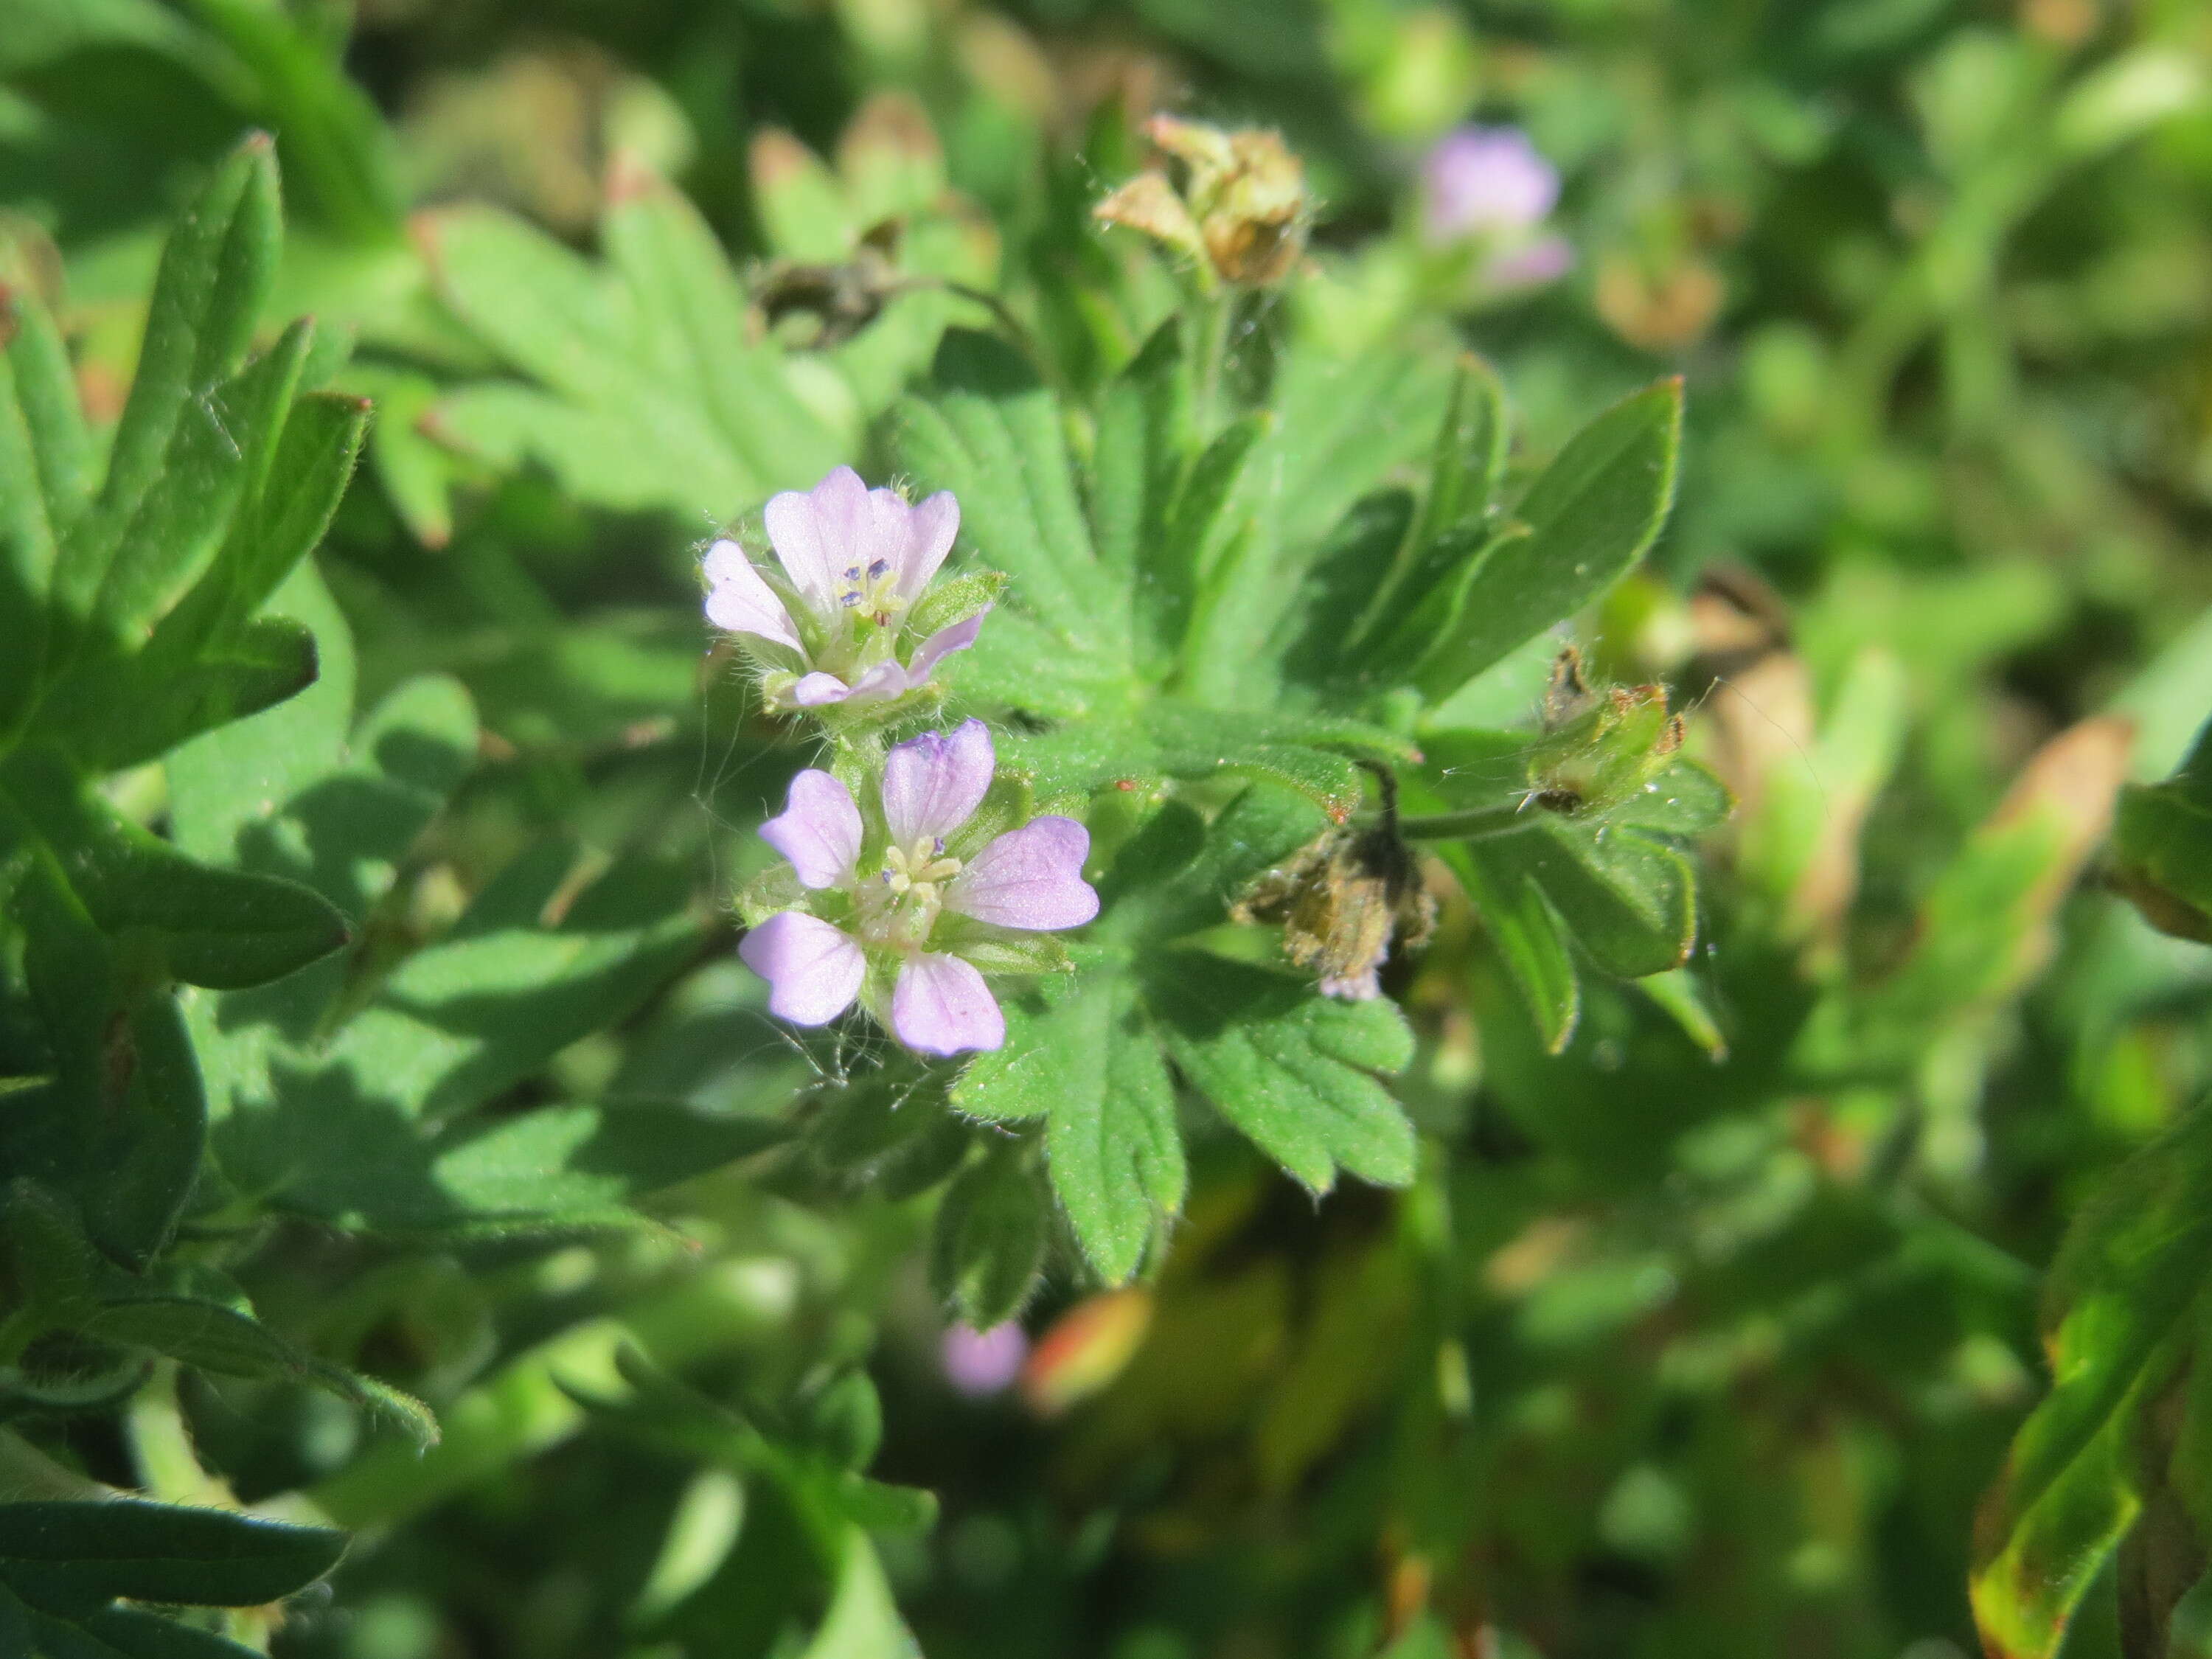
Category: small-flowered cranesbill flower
[900,907]
[980,1364]
[1488,185]
[833,628]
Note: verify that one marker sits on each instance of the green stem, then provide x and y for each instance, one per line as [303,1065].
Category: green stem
[1216,314]
[161,1443]
[1477,823]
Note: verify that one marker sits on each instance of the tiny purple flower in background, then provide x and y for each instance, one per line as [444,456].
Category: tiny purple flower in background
[854,561]
[1028,880]
[1485,181]
[980,1364]
[1543,260]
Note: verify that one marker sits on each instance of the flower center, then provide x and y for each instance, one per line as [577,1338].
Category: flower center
[872,594]
[901,905]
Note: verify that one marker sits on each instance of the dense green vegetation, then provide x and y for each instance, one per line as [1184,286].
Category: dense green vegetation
[1474,921]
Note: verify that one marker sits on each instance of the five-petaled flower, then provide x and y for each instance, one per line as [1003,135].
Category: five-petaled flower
[1490,186]
[898,902]
[832,627]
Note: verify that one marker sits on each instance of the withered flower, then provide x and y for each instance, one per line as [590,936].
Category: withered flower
[1242,211]
[841,299]
[1344,898]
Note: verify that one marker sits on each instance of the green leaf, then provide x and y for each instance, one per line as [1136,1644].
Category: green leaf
[336,1130]
[215,279]
[1465,471]
[988,432]
[215,275]
[1629,900]
[692,315]
[2162,847]
[569,1168]
[1527,934]
[335,141]
[221,929]
[1318,635]
[546,310]
[2127,1296]
[129,1634]
[1170,738]
[1146,435]
[232,790]
[986,1249]
[1468,464]
[1079,1054]
[143,707]
[1591,514]
[653,396]
[1200,585]
[121,1127]
[863,1621]
[287,515]
[1299,1074]
[41,448]
[72,1557]
[214,1338]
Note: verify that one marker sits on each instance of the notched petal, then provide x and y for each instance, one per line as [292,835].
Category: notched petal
[739,601]
[932,783]
[818,830]
[813,971]
[942,1006]
[1030,878]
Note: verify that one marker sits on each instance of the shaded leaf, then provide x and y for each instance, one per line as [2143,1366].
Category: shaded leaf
[75,1556]
[1591,516]
[1297,1073]
[987,1247]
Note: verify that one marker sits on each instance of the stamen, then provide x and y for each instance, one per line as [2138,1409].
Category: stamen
[849,598]
[876,569]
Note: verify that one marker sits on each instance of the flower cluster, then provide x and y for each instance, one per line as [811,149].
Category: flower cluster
[837,627]
[901,899]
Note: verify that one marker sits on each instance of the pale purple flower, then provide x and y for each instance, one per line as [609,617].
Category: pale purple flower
[1530,265]
[980,1364]
[829,629]
[900,917]
[1485,182]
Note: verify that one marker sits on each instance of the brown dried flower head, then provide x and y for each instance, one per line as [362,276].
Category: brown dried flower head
[1343,899]
[1241,212]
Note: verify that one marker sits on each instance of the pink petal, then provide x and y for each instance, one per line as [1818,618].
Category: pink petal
[814,533]
[813,971]
[1486,181]
[816,688]
[1030,878]
[933,782]
[886,681]
[958,636]
[981,1363]
[818,830]
[931,526]
[1543,260]
[739,602]
[941,1006]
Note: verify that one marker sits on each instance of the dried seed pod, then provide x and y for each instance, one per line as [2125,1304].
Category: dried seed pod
[1344,899]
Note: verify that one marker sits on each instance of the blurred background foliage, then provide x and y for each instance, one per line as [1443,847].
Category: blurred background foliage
[1709,1319]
